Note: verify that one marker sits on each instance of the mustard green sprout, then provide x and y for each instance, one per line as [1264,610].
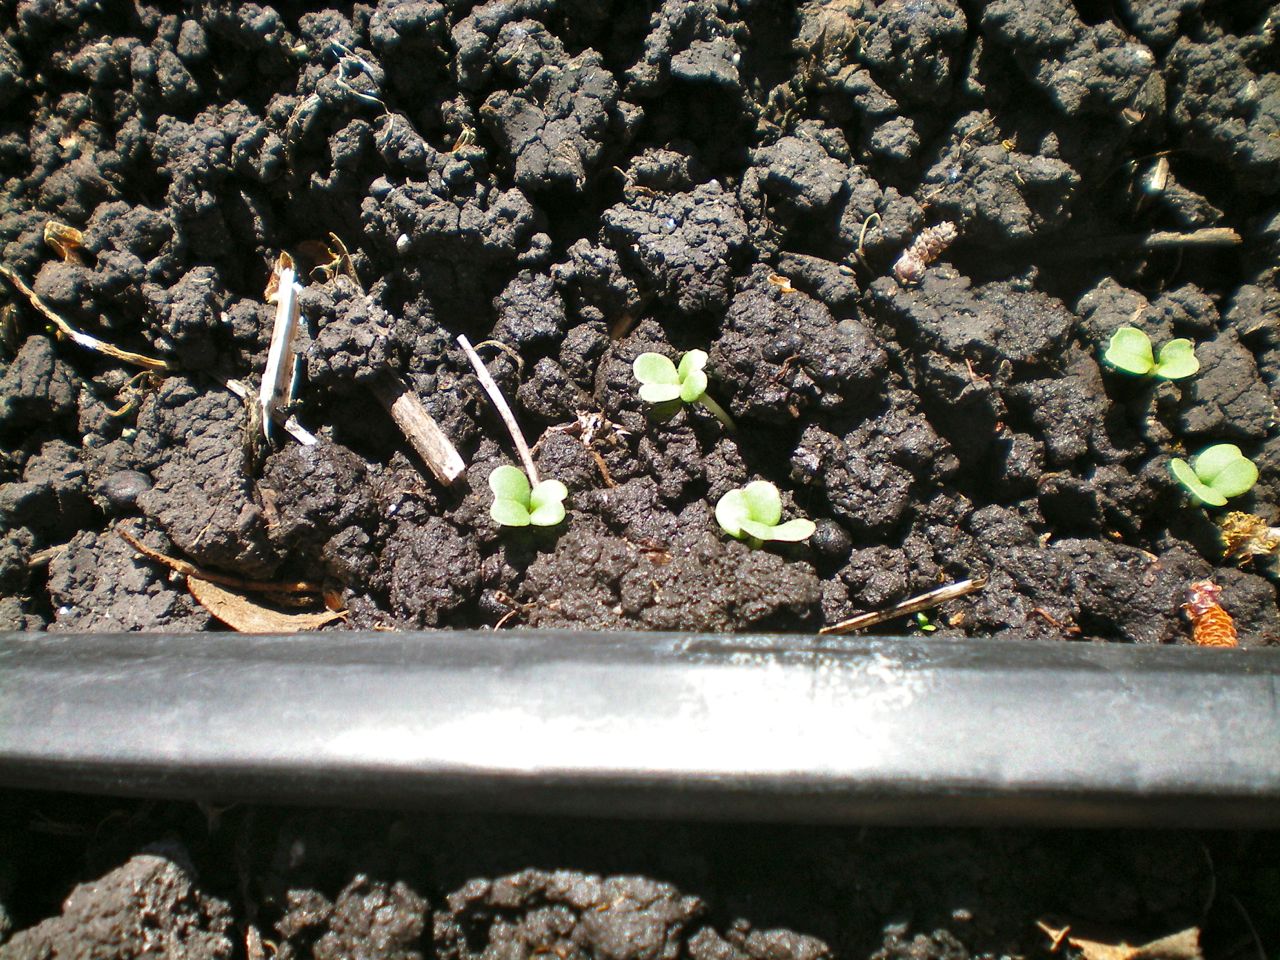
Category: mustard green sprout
[1130,351]
[1216,473]
[752,513]
[515,504]
[661,381]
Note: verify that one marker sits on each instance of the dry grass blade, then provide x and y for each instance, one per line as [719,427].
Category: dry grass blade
[191,570]
[75,336]
[924,601]
[500,404]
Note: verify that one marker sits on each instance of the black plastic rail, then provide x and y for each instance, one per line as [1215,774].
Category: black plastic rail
[769,727]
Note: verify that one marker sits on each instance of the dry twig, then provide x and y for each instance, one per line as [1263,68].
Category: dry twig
[1204,237]
[77,337]
[924,601]
[236,583]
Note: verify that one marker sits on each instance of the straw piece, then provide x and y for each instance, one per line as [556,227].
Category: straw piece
[924,601]
[504,411]
[279,379]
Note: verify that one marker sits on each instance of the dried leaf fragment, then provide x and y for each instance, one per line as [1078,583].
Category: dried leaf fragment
[1183,945]
[247,616]
[338,264]
[65,240]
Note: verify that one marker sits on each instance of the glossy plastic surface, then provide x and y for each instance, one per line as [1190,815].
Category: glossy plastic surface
[770,728]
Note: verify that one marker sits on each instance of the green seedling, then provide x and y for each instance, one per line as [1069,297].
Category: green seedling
[925,623]
[661,381]
[752,513]
[515,504]
[1216,473]
[1130,351]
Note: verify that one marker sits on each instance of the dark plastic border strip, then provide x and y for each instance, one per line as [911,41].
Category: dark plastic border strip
[767,728]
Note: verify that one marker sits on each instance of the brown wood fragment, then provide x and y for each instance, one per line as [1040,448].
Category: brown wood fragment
[419,428]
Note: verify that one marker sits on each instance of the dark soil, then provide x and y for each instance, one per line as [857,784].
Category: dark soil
[587,181]
[166,880]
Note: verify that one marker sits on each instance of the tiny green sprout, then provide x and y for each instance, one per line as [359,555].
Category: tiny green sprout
[661,381]
[516,505]
[924,623]
[1130,351]
[1216,473]
[752,513]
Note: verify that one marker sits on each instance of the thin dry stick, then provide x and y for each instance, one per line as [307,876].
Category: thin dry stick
[191,570]
[504,411]
[924,601]
[440,456]
[1205,238]
[77,337]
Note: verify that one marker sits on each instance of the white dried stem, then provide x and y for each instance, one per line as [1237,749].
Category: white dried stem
[291,424]
[419,428]
[280,376]
[924,601]
[299,432]
[500,404]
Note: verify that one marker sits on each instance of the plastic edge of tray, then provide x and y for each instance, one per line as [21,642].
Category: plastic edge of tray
[786,728]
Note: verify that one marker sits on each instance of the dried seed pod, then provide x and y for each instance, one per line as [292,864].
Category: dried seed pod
[1211,626]
[926,248]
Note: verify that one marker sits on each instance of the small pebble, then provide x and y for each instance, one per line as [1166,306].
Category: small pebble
[123,487]
[831,540]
